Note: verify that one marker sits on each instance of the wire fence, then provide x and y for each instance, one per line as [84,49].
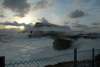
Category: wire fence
[83,59]
[43,61]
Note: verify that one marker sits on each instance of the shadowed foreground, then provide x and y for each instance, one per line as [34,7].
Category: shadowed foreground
[85,63]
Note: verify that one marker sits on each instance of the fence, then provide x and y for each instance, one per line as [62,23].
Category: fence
[74,59]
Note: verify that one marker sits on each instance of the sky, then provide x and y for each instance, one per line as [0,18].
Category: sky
[79,15]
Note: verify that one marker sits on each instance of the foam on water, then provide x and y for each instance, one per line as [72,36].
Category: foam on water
[20,47]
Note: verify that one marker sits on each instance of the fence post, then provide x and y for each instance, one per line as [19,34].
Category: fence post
[2,61]
[75,57]
[92,57]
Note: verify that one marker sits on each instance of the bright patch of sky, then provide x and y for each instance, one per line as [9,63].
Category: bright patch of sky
[57,12]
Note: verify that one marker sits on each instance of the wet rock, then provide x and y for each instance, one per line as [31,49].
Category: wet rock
[62,44]
[97,60]
[30,36]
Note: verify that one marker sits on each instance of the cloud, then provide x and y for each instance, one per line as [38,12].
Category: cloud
[43,4]
[76,2]
[95,23]
[1,11]
[19,15]
[10,23]
[81,26]
[15,23]
[76,14]
[86,28]
[2,16]
[95,2]
[65,23]
[21,7]
[44,20]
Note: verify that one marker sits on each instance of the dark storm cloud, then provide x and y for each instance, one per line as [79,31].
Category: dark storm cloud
[19,6]
[9,23]
[95,2]
[95,23]
[76,14]
[2,16]
[43,4]
[84,27]
[81,26]
[15,23]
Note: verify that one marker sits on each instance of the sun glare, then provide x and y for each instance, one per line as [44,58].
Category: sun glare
[21,27]
[25,20]
[8,27]
[28,19]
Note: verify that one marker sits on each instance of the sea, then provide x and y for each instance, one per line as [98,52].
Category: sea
[19,47]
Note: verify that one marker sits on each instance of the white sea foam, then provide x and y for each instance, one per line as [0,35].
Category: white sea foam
[20,47]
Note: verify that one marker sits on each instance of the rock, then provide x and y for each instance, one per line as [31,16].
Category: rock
[42,29]
[55,34]
[51,34]
[62,44]
[30,36]
[97,60]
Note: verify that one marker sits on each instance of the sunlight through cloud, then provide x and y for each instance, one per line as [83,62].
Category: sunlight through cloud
[21,27]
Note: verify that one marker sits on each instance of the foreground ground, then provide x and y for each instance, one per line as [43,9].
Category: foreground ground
[85,63]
